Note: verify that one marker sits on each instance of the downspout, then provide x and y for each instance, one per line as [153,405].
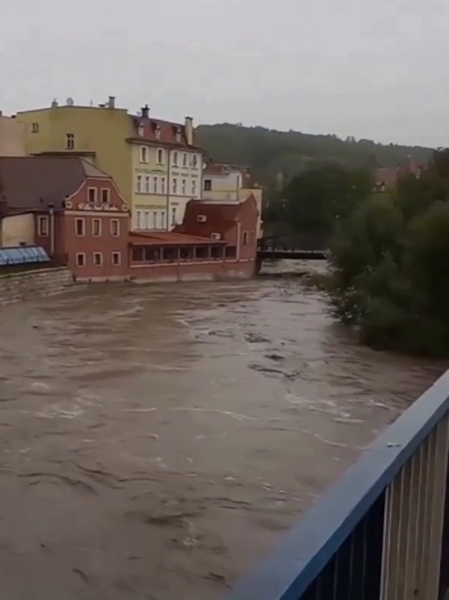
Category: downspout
[52,230]
[239,238]
[167,202]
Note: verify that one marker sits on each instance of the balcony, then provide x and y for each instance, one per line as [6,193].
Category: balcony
[382,531]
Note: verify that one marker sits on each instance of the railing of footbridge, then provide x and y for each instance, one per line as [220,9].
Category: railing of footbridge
[382,531]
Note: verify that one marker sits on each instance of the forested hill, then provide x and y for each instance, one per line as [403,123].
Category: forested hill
[269,152]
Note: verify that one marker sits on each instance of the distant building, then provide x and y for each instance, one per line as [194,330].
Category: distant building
[71,209]
[12,137]
[156,164]
[386,178]
[231,183]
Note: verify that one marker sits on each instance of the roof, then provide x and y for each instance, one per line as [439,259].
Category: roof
[160,132]
[34,182]
[169,238]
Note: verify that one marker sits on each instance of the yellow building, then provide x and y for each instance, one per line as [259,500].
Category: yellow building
[155,163]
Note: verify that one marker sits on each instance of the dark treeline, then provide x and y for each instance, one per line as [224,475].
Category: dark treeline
[270,152]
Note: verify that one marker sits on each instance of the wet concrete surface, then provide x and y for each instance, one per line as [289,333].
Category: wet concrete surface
[155,441]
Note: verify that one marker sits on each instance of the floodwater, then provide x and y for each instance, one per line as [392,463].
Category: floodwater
[155,441]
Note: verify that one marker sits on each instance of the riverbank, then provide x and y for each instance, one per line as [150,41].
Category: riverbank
[157,440]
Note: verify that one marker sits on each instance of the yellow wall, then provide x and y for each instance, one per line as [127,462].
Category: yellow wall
[100,130]
[12,137]
[154,210]
[17,230]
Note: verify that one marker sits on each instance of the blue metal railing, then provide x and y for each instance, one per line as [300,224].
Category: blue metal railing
[382,531]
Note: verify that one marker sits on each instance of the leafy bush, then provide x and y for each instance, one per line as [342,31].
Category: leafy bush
[390,265]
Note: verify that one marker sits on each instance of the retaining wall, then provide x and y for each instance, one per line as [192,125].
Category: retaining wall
[31,284]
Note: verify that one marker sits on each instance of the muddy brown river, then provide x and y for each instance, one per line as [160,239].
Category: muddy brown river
[155,441]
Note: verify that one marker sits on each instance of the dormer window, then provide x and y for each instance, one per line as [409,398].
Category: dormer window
[158,132]
[178,135]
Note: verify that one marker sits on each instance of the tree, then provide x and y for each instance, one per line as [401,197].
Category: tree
[316,199]
[390,265]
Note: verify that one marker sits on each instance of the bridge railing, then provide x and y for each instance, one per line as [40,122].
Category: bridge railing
[382,531]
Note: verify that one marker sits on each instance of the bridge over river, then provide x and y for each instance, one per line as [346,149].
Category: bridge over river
[293,247]
[157,441]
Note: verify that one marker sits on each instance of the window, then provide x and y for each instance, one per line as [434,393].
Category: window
[116,259]
[193,187]
[160,156]
[152,254]
[158,132]
[184,159]
[245,238]
[202,252]
[69,141]
[96,227]
[175,185]
[42,226]
[98,259]
[207,185]
[154,219]
[105,196]
[147,219]
[92,195]
[147,184]
[173,216]
[139,219]
[162,219]
[137,254]
[143,154]
[155,185]
[80,259]
[183,187]
[194,161]
[115,227]
[139,183]
[34,127]
[80,227]
[175,159]
[162,185]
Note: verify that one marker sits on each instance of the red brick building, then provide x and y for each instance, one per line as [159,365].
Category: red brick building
[215,241]
[78,214]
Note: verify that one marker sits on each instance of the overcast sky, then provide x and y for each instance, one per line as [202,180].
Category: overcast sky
[370,68]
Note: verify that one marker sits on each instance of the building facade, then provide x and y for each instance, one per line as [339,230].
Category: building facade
[76,213]
[12,137]
[156,164]
[215,241]
[231,183]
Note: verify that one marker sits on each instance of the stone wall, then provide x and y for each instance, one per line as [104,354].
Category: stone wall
[32,284]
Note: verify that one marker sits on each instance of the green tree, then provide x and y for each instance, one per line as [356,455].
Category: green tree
[390,265]
[317,198]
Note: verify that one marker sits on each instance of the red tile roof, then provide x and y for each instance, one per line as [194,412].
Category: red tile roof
[168,238]
[160,132]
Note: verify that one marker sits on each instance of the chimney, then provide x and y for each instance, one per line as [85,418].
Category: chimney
[189,130]
[111,102]
[1,113]
[145,111]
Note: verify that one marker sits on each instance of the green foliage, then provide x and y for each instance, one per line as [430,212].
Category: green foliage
[316,199]
[390,265]
[270,152]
